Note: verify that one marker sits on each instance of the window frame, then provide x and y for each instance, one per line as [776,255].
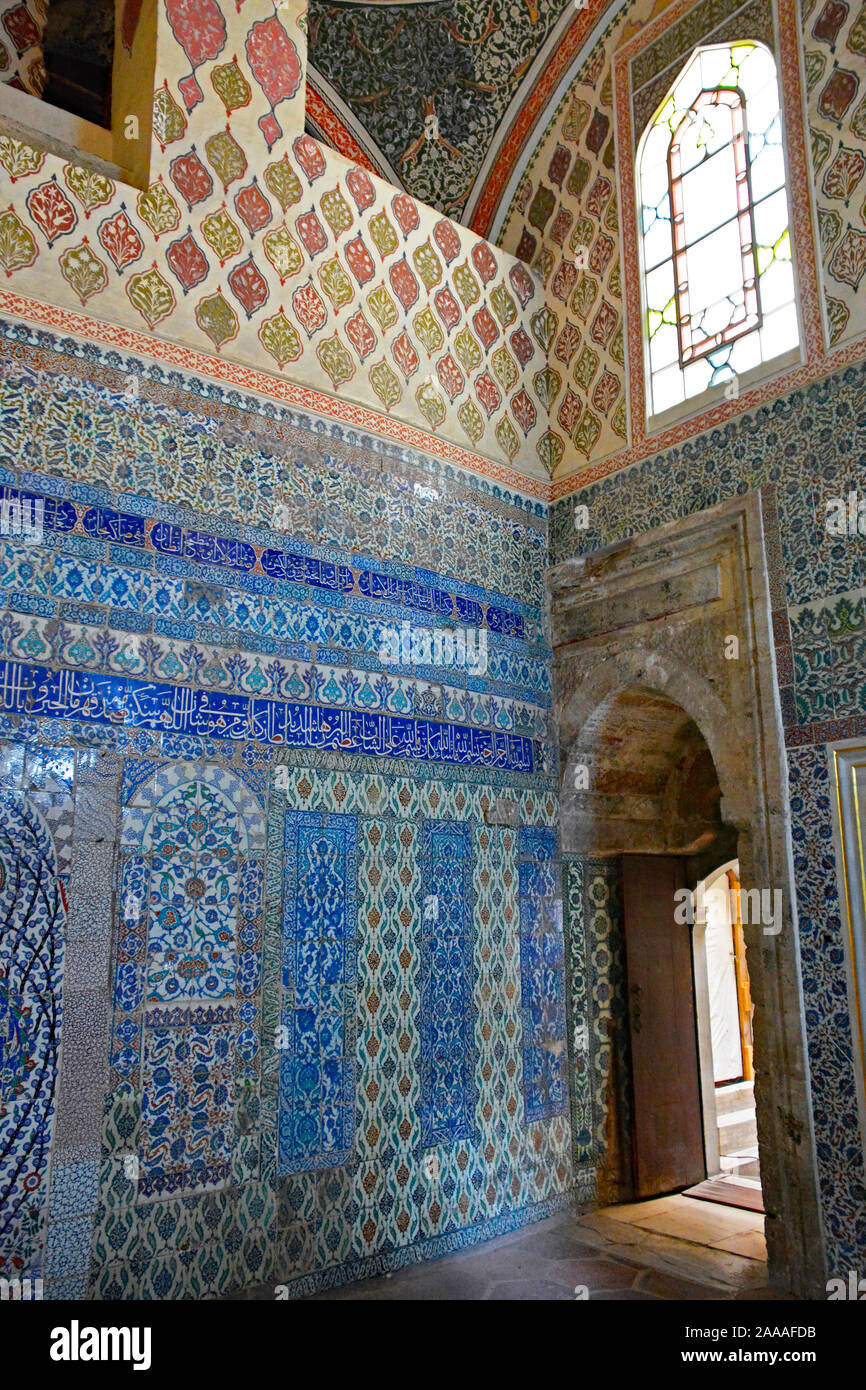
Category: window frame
[744,217]
[656,421]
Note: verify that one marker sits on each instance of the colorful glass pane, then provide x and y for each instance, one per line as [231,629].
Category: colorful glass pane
[718,283]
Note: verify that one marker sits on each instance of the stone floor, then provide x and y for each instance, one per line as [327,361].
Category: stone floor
[562,1258]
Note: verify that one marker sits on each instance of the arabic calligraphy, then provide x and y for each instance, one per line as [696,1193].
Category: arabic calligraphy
[203,547]
[41,692]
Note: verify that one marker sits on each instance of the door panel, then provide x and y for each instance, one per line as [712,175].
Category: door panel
[668,1134]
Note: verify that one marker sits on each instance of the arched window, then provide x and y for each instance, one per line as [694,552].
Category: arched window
[717,276]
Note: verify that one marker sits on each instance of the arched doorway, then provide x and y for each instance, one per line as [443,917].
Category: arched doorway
[646,793]
[672,758]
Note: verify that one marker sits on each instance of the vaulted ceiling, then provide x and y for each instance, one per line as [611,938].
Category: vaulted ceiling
[424,89]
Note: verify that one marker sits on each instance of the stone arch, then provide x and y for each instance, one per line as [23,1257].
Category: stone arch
[641,669]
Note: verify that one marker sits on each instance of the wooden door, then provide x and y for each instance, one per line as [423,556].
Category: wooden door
[668,1130]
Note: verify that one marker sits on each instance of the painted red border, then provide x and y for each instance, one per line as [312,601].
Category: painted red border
[60,320]
[334,130]
[532,110]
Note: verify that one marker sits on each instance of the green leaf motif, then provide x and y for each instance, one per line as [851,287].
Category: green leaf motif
[19,159]
[279,338]
[382,232]
[226,156]
[550,449]
[231,86]
[471,420]
[466,285]
[83,270]
[506,438]
[428,265]
[428,330]
[586,436]
[216,317]
[337,211]
[468,352]
[619,422]
[431,404]
[222,235]
[91,190]
[283,252]
[547,384]
[335,360]
[336,283]
[504,368]
[385,384]
[152,296]
[504,306]
[17,247]
[382,307]
[283,182]
[158,209]
[169,122]
[543,325]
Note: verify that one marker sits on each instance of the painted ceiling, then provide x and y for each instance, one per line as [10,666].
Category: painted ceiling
[424,88]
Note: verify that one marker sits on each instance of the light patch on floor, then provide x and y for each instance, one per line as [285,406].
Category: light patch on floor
[703,1241]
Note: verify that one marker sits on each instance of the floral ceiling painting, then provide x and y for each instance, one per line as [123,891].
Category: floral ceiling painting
[427,86]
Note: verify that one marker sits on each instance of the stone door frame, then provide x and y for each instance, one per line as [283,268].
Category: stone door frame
[651,613]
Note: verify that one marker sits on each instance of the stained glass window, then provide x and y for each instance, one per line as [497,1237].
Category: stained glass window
[718,280]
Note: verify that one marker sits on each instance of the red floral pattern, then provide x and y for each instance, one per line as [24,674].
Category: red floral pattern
[403,283]
[360,335]
[447,240]
[361,189]
[51,210]
[276,66]
[188,262]
[249,286]
[121,240]
[406,213]
[451,376]
[190,178]
[200,28]
[253,207]
[447,307]
[310,308]
[309,156]
[360,261]
[312,233]
[484,261]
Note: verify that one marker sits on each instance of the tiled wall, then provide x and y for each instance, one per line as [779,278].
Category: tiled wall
[802,451]
[293,1042]
[257,244]
[598,1030]
[257,849]
[834,43]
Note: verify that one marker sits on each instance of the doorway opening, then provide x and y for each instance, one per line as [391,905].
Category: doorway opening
[725,1018]
[687,1132]
[672,755]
